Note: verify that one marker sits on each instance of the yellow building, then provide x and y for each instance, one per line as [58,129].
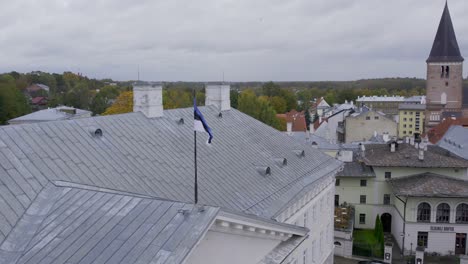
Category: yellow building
[411,118]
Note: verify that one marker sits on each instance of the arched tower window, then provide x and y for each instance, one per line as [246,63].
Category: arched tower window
[443,98]
[443,213]
[442,71]
[462,213]
[447,71]
[424,212]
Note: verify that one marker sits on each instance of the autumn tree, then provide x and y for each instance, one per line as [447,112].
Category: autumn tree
[123,104]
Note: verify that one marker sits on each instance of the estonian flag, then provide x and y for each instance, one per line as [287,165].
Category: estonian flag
[199,123]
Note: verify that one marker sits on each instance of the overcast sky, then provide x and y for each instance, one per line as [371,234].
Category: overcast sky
[250,40]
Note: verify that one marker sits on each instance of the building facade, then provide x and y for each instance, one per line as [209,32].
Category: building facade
[411,120]
[363,126]
[393,180]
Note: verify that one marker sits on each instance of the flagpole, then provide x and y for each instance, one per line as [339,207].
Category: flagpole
[195,153]
[195,161]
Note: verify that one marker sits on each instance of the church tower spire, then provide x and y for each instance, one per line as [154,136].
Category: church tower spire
[444,85]
[445,47]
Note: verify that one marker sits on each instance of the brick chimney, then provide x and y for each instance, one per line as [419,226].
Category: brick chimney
[148,100]
[218,95]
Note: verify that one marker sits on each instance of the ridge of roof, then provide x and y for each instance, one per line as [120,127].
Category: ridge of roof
[445,46]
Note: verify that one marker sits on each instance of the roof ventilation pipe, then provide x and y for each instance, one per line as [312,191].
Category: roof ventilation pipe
[264,171]
[421,154]
[392,147]
[95,132]
[299,153]
[282,162]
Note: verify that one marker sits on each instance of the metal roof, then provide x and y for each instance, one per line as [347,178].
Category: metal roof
[71,225]
[445,46]
[408,106]
[455,140]
[154,157]
[429,185]
[379,155]
[51,114]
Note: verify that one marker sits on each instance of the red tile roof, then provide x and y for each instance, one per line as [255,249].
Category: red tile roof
[436,133]
[296,118]
[39,100]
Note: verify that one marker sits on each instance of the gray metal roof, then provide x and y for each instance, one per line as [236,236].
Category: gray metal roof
[409,106]
[445,46]
[356,169]
[429,185]
[283,250]
[455,140]
[379,155]
[71,225]
[154,157]
[51,114]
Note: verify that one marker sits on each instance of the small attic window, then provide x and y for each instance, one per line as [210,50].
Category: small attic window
[264,171]
[299,153]
[181,121]
[282,162]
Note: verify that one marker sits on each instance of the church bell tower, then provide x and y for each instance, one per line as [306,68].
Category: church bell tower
[444,73]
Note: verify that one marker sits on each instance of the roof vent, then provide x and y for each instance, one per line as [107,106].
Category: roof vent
[300,153]
[264,171]
[181,121]
[220,115]
[95,132]
[281,162]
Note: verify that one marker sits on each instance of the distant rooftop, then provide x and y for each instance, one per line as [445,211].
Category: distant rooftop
[429,185]
[51,114]
[393,98]
[412,107]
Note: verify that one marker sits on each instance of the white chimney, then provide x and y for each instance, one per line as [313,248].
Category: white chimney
[412,141]
[218,95]
[289,127]
[363,150]
[375,133]
[392,147]
[320,120]
[407,140]
[386,136]
[148,100]
[352,103]
[421,154]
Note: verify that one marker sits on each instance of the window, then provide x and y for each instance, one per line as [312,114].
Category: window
[411,119]
[362,199]
[363,183]
[337,182]
[386,199]
[410,113]
[362,219]
[404,132]
[337,200]
[422,239]
[424,212]
[443,213]
[367,117]
[388,175]
[337,244]
[304,257]
[404,125]
[411,126]
[462,213]
[404,119]
[313,251]
[376,117]
[406,112]
[305,219]
[411,132]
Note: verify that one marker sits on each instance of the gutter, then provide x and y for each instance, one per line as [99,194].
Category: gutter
[404,224]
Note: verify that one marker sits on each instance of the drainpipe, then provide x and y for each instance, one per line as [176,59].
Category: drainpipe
[404,224]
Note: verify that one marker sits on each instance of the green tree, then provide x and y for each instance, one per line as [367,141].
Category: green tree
[271,89]
[279,104]
[12,102]
[234,94]
[259,109]
[79,96]
[104,99]
[290,99]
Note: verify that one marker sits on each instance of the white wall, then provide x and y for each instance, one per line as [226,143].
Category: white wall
[218,247]
[319,215]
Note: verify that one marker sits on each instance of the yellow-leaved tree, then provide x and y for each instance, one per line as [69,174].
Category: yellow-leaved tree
[123,104]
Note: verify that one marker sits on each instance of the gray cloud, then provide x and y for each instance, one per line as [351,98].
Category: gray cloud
[247,39]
